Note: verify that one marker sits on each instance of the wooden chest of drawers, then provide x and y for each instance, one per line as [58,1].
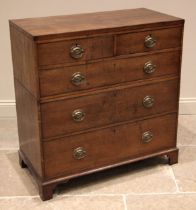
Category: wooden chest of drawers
[94,91]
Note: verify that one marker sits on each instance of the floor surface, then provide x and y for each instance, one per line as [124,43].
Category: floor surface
[151,184]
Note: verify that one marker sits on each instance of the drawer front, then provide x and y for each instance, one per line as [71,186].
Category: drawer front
[73,51]
[82,77]
[122,104]
[148,41]
[79,153]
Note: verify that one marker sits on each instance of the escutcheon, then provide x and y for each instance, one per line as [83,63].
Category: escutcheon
[148,101]
[79,153]
[77,78]
[76,51]
[149,41]
[149,67]
[78,115]
[147,137]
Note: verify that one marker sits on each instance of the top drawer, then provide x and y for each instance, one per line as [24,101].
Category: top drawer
[148,41]
[75,50]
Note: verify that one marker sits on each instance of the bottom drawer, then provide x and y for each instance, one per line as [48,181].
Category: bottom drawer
[79,153]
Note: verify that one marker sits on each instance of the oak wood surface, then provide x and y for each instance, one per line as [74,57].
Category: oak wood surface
[24,61]
[107,108]
[173,157]
[108,146]
[59,52]
[105,73]
[134,42]
[93,22]
[28,127]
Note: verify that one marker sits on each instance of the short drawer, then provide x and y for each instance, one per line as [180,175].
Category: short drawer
[72,51]
[79,153]
[108,107]
[148,41]
[83,77]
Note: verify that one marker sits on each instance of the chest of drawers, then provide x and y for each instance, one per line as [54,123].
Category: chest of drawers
[95,91]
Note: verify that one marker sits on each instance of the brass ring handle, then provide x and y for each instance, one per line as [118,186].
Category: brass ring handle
[78,115]
[147,137]
[148,101]
[77,78]
[79,153]
[76,51]
[149,41]
[149,67]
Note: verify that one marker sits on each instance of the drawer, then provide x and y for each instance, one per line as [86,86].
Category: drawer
[79,153]
[83,77]
[111,106]
[148,41]
[73,51]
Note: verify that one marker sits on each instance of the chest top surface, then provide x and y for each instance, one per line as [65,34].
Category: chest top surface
[91,23]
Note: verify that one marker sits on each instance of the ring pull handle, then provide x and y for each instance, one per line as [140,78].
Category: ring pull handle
[149,67]
[76,51]
[147,137]
[149,41]
[79,153]
[148,101]
[77,78]
[78,115]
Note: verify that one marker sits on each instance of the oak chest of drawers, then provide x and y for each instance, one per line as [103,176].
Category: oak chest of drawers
[94,91]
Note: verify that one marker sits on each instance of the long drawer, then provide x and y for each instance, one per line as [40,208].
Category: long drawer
[123,103]
[99,74]
[78,153]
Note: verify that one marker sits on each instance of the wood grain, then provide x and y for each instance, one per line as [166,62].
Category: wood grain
[59,52]
[99,22]
[134,42]
[108,146]
[107,108]
[28,127]
[24,61]
[105,73]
